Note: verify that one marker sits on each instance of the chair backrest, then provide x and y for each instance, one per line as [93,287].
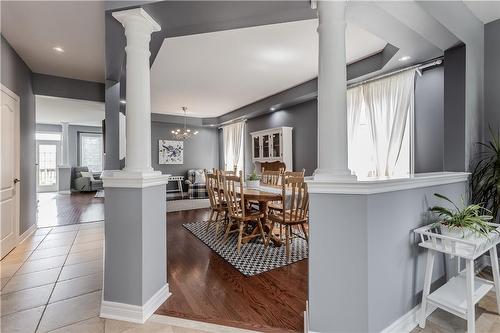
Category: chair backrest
[233,192]
[271,177]
[295,173]
[273,166]
[294,190]
[213,191]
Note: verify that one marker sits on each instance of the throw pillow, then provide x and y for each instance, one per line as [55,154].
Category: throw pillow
[199,177]
[87,174]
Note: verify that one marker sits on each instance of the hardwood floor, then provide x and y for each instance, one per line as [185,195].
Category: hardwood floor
[205,287]
[62,209]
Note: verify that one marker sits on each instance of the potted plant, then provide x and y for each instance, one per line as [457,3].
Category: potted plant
[253,180]
[468,222]
[485,178]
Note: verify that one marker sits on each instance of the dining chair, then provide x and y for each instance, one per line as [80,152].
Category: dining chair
[239,214]
[295,173]
[295,212]
[233,172]
[218,206]
[271,177]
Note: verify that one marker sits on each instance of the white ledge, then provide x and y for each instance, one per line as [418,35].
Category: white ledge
[119,178]
[381,185]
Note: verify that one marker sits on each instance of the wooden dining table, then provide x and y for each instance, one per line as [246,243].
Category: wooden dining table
[263,195]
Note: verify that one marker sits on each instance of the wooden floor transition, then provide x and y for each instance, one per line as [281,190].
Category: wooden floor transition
[205,287]
[56,209]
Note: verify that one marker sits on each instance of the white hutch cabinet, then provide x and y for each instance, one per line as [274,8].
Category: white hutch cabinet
[270,145]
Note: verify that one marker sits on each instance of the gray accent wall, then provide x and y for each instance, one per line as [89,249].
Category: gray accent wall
[366,269]
[49,85]
[304,120]
[200,152]
[492,75]
[16,76]
[73,137]
[455,109]
[429,121]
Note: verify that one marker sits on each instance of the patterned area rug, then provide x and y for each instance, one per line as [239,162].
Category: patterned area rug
[99,194]
[254,257]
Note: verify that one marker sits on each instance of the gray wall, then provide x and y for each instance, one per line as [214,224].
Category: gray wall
[200,152]
[49,85]
[492,75]
[429,121]
[16,76]
[73,137]
[366,269]
[455,109]
[304,120]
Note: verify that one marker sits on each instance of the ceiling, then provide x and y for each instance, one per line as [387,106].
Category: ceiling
[486,11]
[33,28]
[55,110]
[215,73]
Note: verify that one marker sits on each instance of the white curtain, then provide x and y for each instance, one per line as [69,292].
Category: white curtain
[232,136]
[354,112]
[388,103]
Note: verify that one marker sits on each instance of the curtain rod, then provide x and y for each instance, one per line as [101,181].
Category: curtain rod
[231,122]
[434,62]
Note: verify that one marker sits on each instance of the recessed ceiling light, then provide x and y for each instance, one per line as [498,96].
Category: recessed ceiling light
[405,58]
[58,49]
[273,108]
[123,101]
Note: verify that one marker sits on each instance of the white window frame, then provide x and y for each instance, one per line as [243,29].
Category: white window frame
[80,148]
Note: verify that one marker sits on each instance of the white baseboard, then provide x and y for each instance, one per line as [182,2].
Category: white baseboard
[134,313]
[65,192]
[27,233]
[408,321]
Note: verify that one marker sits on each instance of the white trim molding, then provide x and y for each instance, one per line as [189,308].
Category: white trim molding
[381,185]
[134,313]
[25,235]
[408,321]
[119,178]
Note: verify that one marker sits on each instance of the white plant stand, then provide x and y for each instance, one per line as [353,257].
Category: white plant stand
[462,292]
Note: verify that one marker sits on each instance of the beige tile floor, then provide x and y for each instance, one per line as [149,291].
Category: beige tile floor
[52,282]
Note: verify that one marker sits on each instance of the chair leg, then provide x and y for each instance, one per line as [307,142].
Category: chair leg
[471,316]
[496,274]
[217,222]
[305,232]
[240,235]
[210,219]
[287,240]
[427,287]
[226,234]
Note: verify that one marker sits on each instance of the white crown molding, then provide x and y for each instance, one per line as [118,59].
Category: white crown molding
[385,185]
[134,313]
[118,178]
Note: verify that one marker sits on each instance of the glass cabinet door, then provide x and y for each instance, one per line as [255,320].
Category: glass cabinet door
[256,147]
[276,145]
[265,146]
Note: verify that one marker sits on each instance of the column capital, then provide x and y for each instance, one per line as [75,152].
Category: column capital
[136,15]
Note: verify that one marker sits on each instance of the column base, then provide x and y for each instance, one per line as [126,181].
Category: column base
[134,313]
[333,175]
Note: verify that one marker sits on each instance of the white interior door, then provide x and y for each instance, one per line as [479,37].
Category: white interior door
[47,156]
[9,171]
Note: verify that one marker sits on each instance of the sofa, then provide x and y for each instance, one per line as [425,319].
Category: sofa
[84,183]
[195,181]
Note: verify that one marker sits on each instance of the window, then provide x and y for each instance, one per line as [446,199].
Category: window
[46,136]
[90,151]
[380,115]
[233,145]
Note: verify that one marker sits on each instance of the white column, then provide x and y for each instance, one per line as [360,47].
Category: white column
[332,86]
[65,145]
[138,28]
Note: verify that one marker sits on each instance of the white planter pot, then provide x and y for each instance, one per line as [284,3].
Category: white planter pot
[252,183]
[456,232]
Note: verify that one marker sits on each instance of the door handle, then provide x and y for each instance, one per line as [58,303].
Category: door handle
[16,180]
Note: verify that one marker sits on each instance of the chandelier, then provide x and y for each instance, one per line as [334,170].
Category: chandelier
[186,133]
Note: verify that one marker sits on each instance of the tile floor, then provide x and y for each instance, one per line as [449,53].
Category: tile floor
[52,282]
